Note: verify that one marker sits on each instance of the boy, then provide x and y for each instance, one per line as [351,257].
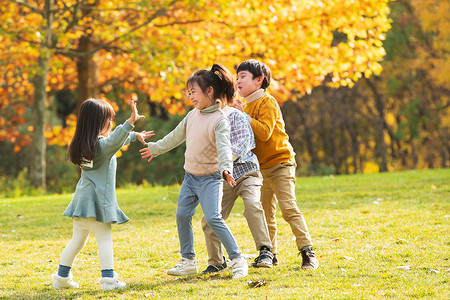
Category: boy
[276,157]
[248,187]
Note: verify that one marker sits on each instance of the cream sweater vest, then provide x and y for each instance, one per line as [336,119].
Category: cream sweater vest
[201,151]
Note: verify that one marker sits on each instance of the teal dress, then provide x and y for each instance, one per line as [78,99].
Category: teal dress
[95,194]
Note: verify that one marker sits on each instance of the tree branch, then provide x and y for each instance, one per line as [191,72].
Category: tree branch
[178,23]
[32,7]
[74,14]
[158,13]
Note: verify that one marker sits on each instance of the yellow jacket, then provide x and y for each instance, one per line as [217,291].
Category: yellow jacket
[272,141]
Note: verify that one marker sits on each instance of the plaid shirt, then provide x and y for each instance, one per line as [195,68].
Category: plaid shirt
[242,143]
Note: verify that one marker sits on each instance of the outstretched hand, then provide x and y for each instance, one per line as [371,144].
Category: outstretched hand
[145,152]
[238,104]
[141,136]
[229,178]
[134,113]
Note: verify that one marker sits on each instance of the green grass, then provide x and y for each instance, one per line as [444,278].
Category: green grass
[364,227]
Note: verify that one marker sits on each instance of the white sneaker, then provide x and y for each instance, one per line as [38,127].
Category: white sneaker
[239,267]
[111,283]
[64,282]
[184,267]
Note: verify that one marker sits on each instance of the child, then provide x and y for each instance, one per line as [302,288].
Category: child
[276,157]
[206,131]
[248,187]
[94,204]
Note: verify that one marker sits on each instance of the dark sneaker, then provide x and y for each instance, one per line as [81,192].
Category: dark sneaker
[264,260]
[216,269]
[275,260]
[310,261]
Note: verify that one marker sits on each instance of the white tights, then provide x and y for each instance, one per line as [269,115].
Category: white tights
[81,230]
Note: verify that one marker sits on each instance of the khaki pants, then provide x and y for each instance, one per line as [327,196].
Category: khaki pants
[279,186]
[248,187]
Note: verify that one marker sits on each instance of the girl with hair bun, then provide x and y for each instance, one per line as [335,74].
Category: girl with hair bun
[208,161]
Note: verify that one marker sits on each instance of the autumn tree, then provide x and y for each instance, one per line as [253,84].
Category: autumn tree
[412,93]
[153,46]
[398,119]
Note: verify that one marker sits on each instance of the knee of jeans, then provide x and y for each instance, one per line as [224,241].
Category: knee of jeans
[183,216]
[213,220]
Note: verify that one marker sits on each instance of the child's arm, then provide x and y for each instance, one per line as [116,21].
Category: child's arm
[264,123]
[223,145]
[173,139]
[134,114]
[122,134]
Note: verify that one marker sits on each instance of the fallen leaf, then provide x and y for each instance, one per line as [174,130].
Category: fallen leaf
[348,258]
[257,283]
[403,267]
[338,239]
[402,241]
[433,186]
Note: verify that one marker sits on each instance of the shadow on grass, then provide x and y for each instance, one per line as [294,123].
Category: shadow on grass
[49,293]
[225,276]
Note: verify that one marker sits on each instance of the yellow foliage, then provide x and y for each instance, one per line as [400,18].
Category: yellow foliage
[371,167]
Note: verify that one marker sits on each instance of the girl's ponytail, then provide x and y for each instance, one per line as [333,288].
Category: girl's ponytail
[227,87]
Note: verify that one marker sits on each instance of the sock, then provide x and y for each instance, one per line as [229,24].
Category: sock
[108,273]
[63,271]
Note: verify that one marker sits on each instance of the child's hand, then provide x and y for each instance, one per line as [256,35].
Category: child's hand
[134,113]
[146,153]
[141,136]
[238,104]
[229,178]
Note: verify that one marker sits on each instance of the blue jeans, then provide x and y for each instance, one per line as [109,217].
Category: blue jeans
[207,190]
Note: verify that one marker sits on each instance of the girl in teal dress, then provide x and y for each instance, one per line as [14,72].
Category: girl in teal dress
[94,205]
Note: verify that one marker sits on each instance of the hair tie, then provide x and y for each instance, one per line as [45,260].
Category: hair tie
[217,73]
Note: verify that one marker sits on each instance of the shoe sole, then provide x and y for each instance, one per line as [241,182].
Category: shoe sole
[311,267]
[263,265]
[182,274]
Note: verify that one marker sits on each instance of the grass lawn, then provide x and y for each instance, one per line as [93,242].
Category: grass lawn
[376,236]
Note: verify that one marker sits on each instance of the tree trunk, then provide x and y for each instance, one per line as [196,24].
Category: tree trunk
[38,162]
[87,70]
[307,132]
[381,143]
[39,144]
